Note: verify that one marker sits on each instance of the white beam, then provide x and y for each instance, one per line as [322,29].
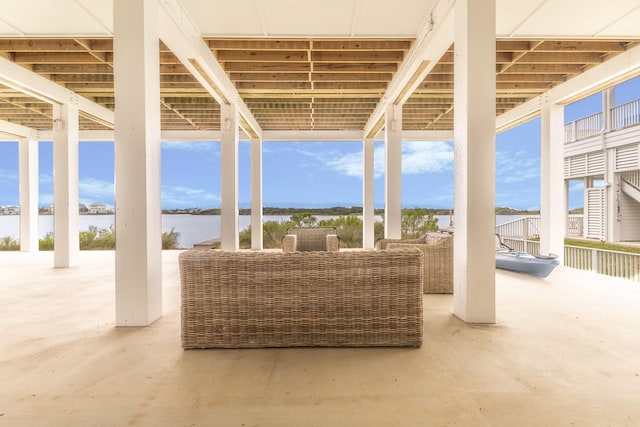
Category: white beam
[256,194]
[474,161]
[65,185]
[182,36]
[620,68]
[23,80]
[368,209]
[393,172]
[12,129]
[229,228]
[28,162]
[553,211]
[432,41]
[311,135]
[137,163]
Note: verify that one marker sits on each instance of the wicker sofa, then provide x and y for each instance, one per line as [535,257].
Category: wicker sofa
[298,299]
[438,259]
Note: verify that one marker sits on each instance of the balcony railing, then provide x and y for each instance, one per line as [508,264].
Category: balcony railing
[529,226]
[622,116]
[583,128]
[625,115]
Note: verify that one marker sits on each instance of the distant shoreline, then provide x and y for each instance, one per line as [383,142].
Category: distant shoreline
[334,211]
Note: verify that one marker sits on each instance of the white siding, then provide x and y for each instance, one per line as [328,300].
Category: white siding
[595,163]
[595,213]
[629,218]
[627,157]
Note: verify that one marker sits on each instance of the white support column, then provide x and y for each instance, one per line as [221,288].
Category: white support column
[229,121]
[65,185]
[553,210]
[137,163]
[368,210]
[612,231]
[474,153]
[28,159]
[256,194]
[393,172]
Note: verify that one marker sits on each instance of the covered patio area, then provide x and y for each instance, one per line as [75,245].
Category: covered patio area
[563,352]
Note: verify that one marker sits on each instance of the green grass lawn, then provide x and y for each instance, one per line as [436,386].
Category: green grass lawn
[602,245]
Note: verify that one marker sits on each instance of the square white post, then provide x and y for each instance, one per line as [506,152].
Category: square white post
[393,172]
[28,160]
[256,194]
[368,209]
[553,209]
[65,185]
[474,155]
[229,121]
[137,163]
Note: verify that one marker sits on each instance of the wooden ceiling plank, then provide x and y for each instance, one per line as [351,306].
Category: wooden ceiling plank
[357,56]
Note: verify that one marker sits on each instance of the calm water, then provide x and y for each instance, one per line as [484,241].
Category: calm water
[192,228]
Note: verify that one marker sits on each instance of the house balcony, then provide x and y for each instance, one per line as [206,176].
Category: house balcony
[562,352]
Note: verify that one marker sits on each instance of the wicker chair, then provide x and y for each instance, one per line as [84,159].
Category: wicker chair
[311,239]
[438,260]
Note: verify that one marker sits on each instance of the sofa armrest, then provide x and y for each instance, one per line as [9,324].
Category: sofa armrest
[382,243]
[289,243]
[333,243]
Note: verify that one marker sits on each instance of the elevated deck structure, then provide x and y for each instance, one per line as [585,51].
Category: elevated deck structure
[136,72]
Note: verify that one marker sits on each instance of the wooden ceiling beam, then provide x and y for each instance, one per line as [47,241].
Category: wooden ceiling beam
[582,46]
[269,67]
[257,56]
[256,44]
[561,58]
[357,56]
[351,77]
[269,77]
[342,45]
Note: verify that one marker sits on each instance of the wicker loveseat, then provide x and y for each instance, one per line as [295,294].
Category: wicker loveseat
[311,239]
[278,299]
[438,259]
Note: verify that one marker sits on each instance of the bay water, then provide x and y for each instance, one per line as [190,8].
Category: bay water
[192,228]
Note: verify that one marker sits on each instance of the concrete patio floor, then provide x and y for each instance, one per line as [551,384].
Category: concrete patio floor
[564,352]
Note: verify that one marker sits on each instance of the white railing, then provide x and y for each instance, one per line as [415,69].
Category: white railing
[529,226]
[625,115]
[522,228]
[529,246]
[583,128]
[622,116]
[575,225]
[632,177]
[623,265]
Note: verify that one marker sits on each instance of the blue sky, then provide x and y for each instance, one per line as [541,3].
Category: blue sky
[310,174]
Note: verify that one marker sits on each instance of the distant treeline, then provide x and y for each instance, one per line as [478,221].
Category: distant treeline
[333,211]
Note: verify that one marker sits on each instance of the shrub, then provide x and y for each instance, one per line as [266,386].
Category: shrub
[9,244]
[170,239]
[46,243]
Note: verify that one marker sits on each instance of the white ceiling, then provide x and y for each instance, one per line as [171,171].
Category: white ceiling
[329,18]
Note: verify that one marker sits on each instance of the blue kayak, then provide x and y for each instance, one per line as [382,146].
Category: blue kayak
[535,265]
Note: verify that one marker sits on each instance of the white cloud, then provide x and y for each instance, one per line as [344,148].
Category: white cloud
[516,167]
[417,158]
[576,185]
[176,195]
[95,190]
[8,176]
[45,179]
[426,157]
[191,146]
